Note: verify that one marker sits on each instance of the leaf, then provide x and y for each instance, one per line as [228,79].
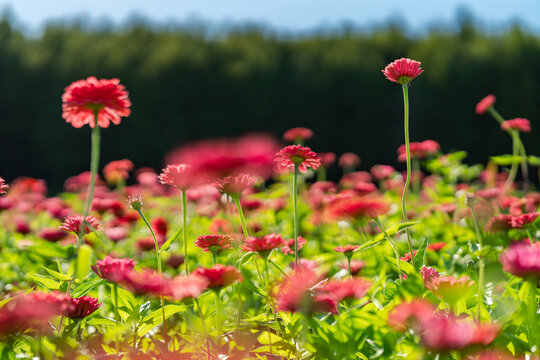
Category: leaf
[47,249]
[245,258]
[406,267]
[392,230]
[57,275]
[83,261]
[156,317]
[5,301]
[99,320]
[86,287]
[420,257]
[169,241]
[46,281]
[533,160]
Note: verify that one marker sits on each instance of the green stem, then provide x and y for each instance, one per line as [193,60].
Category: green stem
[515,164]
[532,238]
[278,267]
[321,173]
[349,266]
[524,167]
[532,310]
[218,314]
[214,258]
[135,335]
[116,313]
[242,218]
[392,244]
[184,230]
[481,265]
[408,153]
[495,114]
[204,327]
[295,209]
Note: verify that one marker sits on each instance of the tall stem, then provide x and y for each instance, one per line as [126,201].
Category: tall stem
[515,164]
[524,167]
[116,313]
[218,314]
[158,260]
[184,230]
[408,153]
[295,209]
[393,245]
[480,264]
[241,215]
[532,310]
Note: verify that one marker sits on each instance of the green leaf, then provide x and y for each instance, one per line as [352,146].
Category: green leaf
[245,258]
[47,249]
[83,261]
[533,160]
[420,257]
[156,317]
[5,301]
[392,230]
[506,159]
[86,287]
[406,267]
[46,281]
[57,275]
[169,241]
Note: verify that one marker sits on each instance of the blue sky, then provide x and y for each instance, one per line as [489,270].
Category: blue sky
[291,15]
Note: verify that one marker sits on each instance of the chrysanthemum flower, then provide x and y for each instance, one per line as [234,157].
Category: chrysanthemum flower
[364,188]
[522,260]
[74,223]
[327,158]
[519,124]
[407,256]
[357,208]
[82,307]
[419,150]
[135,201]
[347,249]
[145,282]
[117,170]
[52,235]
[349,160]
[112,269]
[297,155]
[191,286]
[263,244]
[175,261]
[449,288]
[234,185]
[219,276]
[505,222]
[402,71]
[181,176]
[410,314]
[3,186]
[288,247]
[83,98]
[346,289]
[485,104]
[214,243]
[428,273]
[297,134]
[381,172]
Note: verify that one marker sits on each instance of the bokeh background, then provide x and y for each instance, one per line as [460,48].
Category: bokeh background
[206,69]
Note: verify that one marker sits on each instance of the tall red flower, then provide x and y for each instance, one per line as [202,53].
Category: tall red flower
[346,289]
[82,307]
[146,282]
[3,186]
[522,260]
[347,249]
[234,185]
[297,134]
[402,71]
[181,176]
[419,150]
[83,98]
[263,244]
[113,269]
[74,223]
[485,104]
[191,286]
[219,276]
[214,243]
[519,124]
[349,160]
[302,156]
[117,170]
[357,208]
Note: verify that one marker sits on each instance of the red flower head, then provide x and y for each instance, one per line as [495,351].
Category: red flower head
[288,247]
[83,98]
[402,71]
[146,282]
[407,256]
[428,273]
[349,160]
[175,261]
[3,186]
[52,235]
[357,208]
[346,289]
[263,244]
[297,134]
[449,288]
[522,260]
[116,233]
[488,194]
[485,104]
[180,176]
[82,307]
[419,150]
[348,250]
[214,243]
[381,172]
[327,158]
[219,276]
[301,292]
[302,156]
[505,222]
[74,223]
[182,287]
[160,226]
[112,269]
[118,170]
[234,185]
[519,124]
[364,188]
[410,314]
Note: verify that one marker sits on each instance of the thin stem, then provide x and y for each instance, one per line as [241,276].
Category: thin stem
[184,230]
[278,267]
[532,310]
[532,239]
[295,209]
[515,164]
[218,314]
[204,326]
[349,266]
[416,173]
[480,265]
[214,258]
[408,153]
[135,335]
[116,313]
[242,218]
[392,244]
[524,167]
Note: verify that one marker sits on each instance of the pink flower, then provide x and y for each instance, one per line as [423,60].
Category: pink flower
[118,170]
[419,150]
[504,222]
[147,243]
[485,104]
[522,260]
[3,186]
[488,194]
[410,314]
[346,289]
[381,172]
[428,273]
[356,266]
[74,223]
[180,176]
[449,288]
[522,125]
[112,269]
[402,71]
[80,182]
[135,201]
[407,256]
[84,98]
[82,307]
[297,155]
[357,208]
[347,249]
[182,287]
[297,134]
[160,226]
[288,247]
[214,243]
[52,235]
[263,244]
[145,282]
[219,276]
[175,261]
[234,186]
[364,188]
[116,233]
[327,158]
[349,160]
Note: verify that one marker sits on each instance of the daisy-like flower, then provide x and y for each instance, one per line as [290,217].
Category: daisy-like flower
[297,155]
[505,222]
[449,288]
[214,243]
[146,282]
[346,289]
[84,98]
[484,104]
[180,176]
[297,134]
[191,286]
[288,247]
[112,269]
[234,185]
[52,235]
[3,186]
[523,260]
[519,124]
[347,249]
[135,202]
[74,223]
[357,208]
[402,71]
[327,158]
[410,314]
[263,244]
[82,307]
[381,172]
[349,160]
[117,170]
[219,276]
[419,150]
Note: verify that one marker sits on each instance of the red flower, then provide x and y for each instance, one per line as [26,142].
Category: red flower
[410,314]
[428,273]
[381,172]
[356,266]
[146,282]
[3,186]
[349,160]
[73,224]
[347,249]
[118,170]
[449,288]
[175,261]
[522,260]
[298,155]
[214,243]
[436,246]
[180,176]
[263,244]
[301,292]
[234,185]
[182,287]
[80,182]
[112,269]
[82,307]
[116,233]
[327,158]
[219,276]
[297,134]
[357,207]
[147,243]
[488,194]
[519,124]
[52,235]
[485,104]
[83,98]
[504,222]
[419,150]
[407,256]
[402,71]
[364,188]
[346,289]
[288,247]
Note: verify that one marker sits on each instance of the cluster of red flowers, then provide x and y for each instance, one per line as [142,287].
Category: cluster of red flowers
[419,150]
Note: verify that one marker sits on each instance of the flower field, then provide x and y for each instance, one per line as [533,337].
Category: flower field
[242,249]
